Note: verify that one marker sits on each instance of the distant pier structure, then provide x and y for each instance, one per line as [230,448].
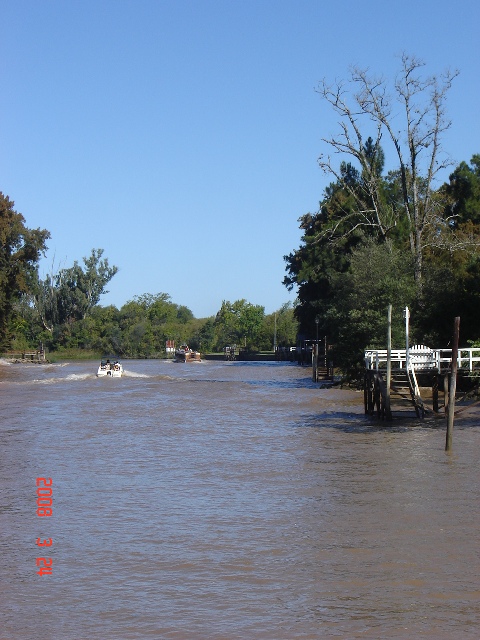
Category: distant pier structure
[417,375]
[37,356]
[316,353]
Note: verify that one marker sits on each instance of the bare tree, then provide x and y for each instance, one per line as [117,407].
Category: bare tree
[45,299]
[413,118]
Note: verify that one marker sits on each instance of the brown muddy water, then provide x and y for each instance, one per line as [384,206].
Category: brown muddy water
[218,501]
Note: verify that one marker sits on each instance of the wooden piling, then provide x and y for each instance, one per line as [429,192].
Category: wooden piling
[435,393]
[365,392]
[445,392]
[388,412]
[453,385]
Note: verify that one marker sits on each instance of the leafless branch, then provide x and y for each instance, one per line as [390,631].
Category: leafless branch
[417,145]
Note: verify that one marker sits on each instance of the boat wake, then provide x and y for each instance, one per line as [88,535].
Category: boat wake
[79,376]
[73,377]
[156,376]
[135,374]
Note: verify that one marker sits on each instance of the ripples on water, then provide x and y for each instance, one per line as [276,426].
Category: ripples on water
[230,500]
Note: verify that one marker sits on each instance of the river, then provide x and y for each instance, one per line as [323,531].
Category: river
[225,501]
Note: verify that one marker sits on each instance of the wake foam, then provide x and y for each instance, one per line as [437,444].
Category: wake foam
[134,374]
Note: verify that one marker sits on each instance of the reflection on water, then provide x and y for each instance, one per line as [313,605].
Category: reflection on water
[227,500]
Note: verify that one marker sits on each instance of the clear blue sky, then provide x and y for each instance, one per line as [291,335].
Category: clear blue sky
[182,136]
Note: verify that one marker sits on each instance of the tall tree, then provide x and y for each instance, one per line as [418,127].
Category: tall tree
[463,190]
[71,294]
[238,322]
[366,99]
[281,325]
[20,251]
[312,267]
[379,274]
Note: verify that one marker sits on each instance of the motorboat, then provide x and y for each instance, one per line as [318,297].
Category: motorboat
[185,354]
[112,368]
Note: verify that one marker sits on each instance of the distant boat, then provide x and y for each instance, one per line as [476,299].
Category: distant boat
[110,368]
[185,354]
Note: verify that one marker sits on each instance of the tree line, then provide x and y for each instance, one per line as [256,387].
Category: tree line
[400,236]
[61,311]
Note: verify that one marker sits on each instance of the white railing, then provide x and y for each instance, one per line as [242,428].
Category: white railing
[421,357]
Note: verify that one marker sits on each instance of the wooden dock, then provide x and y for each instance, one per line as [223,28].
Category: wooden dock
[35,357]
[419,377]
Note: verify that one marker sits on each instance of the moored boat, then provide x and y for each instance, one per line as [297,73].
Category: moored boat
[110,368]
[185,354]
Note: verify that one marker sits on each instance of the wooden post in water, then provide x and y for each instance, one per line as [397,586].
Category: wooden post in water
[435,393]
[315,351]
[365,392]
[453,385]
[445,391]
[388,412]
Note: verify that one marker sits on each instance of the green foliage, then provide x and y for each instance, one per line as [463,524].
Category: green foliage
[347,276]
[312,267]
[62,310]
[143,325]
[20,250]
[71,294]
[201,334]
[463,191]
[238,323]
[451,288]
[379,275]
[394,238]
[286,326]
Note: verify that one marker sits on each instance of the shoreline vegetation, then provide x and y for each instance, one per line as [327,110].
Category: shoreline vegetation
[88,354]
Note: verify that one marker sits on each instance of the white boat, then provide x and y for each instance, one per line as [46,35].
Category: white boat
[112,368]
[185,354]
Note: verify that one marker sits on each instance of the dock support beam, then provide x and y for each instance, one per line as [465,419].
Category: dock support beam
[453,385]
[435,393]
[388,412]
